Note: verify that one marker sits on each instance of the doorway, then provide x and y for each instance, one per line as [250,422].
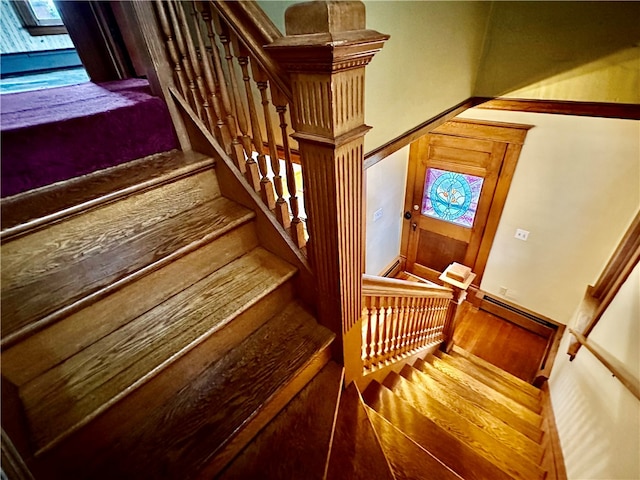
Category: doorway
[459,177]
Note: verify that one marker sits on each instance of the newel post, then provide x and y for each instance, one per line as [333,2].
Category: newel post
[325,52]
[458,278]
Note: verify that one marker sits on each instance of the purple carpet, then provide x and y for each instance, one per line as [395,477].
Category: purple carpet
[61,133]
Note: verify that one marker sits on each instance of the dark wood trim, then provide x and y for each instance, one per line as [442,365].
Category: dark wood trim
[560,107]
[550,354]
[406,138]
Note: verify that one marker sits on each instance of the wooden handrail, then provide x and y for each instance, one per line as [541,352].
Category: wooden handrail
[374,285]
[249,22]
[613,365]
[400,318]
[616,272]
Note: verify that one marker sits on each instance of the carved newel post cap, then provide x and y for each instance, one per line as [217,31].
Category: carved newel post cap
[325,17]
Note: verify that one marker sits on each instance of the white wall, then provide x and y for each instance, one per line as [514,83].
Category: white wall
[385,190]
[598,419]
[575,189]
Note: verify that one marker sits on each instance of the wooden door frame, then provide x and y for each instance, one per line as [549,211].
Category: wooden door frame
[509,133]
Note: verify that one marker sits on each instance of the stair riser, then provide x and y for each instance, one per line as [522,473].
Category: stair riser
[481,401]
[33,357]
[488,423]
[96,432]
[494,382]
[504,376]
[56,266]
[482,389]
[499,451]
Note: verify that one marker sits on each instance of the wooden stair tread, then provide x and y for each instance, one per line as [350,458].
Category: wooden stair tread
[486,421]
[458,456]
[424,372]
[201,424]
[296,443]
[481,388]
[492,381]
[356,452]
[506,376]
[409,460]
[31,209]
[34,355]
[501,452]
[102,373]
[53,268]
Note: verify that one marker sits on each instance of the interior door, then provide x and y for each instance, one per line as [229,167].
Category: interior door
[458,188]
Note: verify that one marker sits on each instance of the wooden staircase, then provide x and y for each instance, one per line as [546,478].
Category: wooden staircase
[143,324]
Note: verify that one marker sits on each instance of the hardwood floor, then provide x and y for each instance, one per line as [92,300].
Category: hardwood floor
[500,342]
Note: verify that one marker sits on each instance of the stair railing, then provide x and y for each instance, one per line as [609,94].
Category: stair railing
[236,73]
[400,318]
[239,93]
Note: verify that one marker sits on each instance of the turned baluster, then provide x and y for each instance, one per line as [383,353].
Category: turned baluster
[251,167]
[266,187]
[220,79]
[431,320]
[297,226]
[171,48]
[413,317]
[388,329]
[404,324]
[365,333]
[395,325]
[373,322]
[192,96]
[221,130]
[282,212]
[382,316]
[201,90]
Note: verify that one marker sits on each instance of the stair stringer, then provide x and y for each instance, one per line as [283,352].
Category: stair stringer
[233,185]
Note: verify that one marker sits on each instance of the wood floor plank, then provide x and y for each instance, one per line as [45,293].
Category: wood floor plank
[456,455]
[408,459]
[492,381]
[500,342]
[483,389]
[424,371]
[57,201]
[501,451]
[100,374]
[507,377]
[34,356]
[188,430]
[356,453]
[296,443]
[54,267]
[469,410]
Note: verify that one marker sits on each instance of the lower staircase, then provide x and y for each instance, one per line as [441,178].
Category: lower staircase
[148,335]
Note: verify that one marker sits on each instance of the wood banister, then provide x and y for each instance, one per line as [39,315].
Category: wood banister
[374,285]
[252,24]
[612,364]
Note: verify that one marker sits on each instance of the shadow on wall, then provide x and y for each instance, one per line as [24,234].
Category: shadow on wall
[530,41]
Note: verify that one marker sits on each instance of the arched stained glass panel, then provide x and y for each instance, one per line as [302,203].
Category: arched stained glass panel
[451,196]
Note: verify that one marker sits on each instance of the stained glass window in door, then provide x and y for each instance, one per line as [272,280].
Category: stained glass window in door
[451,196]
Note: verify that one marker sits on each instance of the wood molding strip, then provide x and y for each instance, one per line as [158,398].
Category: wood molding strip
[613,365]
[624,111]
[406,138]
[383,286]
[553,461]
